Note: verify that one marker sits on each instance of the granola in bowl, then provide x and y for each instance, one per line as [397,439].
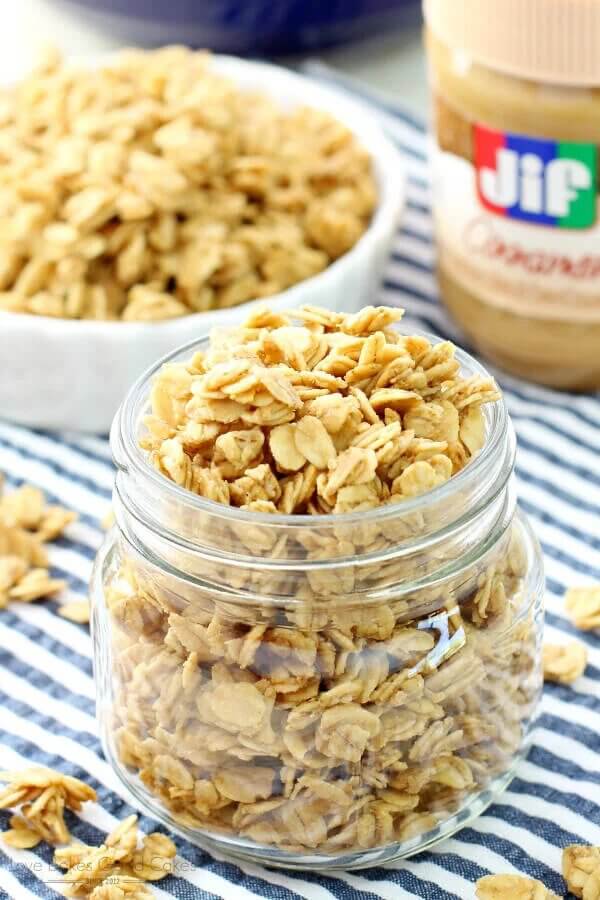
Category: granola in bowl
[156,187]
[318,615]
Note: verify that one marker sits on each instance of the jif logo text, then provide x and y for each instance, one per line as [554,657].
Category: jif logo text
[544,182]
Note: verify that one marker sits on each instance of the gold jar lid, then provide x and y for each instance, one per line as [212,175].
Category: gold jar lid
[554,41]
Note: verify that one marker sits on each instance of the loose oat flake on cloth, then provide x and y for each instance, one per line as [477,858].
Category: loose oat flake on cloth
[47,691]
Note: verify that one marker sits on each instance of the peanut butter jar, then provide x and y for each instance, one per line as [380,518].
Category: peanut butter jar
[516,91]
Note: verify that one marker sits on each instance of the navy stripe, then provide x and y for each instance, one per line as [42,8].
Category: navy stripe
[49,723]
[555,586]
[592,672]
[99,444]
[417,206]
[565,558]
[78,448]
[576,732]
[422,184]
[548,407]
[47,684]
[590,638]
[513,853]
[557,723]
[547,426]
[458,865]
[413,229]
[25,876]
[407,880]
[405,260]
[550,831]
[574,802]
[548,519]
[409,232]
[231,872]
[61,442]
[557,491]
[85,550]
[57,468]
[546,759]
[565,402]
[579,733]
[393,285]
[587,475]
[43,639]
[539,395]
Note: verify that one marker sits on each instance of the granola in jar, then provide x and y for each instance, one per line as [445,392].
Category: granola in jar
[317,618]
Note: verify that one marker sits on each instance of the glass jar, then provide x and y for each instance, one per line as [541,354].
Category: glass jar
[516,97]
[327,691]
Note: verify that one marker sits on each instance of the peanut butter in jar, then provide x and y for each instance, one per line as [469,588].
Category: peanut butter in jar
[516,91]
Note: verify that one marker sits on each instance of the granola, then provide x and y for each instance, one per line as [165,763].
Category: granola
[35,585]
[119,866]
[581,870]
[27,523]
[512,887]
[115,870]
[262,418]
[564,663]
[295,705]
[121,888]
[155,188]
[41,795]
[591,888]
[77,611]
[583,606]
[313,739]
[20,835]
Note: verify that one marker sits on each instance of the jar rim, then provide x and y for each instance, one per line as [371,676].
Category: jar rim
[130,458]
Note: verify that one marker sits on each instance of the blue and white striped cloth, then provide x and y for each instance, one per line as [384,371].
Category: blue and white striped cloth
[47,692]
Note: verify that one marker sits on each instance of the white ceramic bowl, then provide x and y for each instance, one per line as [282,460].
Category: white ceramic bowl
[60,373]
